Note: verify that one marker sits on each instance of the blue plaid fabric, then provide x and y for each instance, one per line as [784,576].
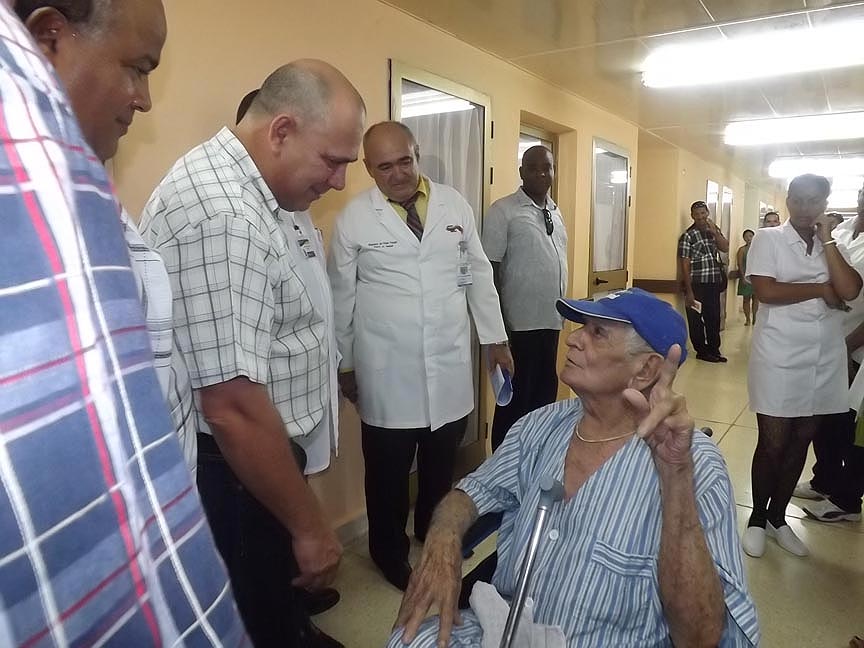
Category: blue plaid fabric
[103,540]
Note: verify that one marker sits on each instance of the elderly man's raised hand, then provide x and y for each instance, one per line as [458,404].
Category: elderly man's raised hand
[664,422]
[435,582]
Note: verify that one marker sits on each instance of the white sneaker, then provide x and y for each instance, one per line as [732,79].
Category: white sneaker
[753,541]
[826,511]
[787,539]
[805,491]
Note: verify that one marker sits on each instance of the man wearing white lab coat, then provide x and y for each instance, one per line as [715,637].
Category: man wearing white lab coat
[406,264]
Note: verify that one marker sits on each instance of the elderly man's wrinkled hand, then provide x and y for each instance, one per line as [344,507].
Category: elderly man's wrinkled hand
[435,582]
[665,424]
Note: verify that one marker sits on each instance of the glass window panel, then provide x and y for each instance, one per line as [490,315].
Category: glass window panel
[610,210]
[449,131]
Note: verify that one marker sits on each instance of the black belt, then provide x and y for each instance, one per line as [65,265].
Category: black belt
[206,443]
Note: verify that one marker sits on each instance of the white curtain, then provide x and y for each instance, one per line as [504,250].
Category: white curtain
[451,151]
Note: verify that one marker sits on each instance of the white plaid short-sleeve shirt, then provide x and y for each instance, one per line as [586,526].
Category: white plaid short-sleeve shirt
[240,307]
[154,288]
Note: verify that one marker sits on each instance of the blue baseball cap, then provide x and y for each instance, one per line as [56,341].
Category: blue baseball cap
[657,322]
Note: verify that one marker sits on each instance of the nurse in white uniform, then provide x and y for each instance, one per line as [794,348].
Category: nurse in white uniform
[798,358]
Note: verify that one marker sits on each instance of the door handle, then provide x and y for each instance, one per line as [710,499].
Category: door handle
[599,281]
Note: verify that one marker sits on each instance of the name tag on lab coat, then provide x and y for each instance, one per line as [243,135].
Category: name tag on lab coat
[463,275]
[306,247]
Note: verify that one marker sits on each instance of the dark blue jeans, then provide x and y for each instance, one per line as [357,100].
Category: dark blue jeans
[256,549]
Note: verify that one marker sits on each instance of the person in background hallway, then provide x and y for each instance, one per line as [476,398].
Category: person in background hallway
[797,371]
[526,241]
[745,288]
[772,219]
[406,265]
[100,96]
[254,335]
[104,538]
[702,273]
[643,550]
[838,474]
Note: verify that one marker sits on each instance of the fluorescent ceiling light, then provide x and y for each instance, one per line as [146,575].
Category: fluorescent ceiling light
[843,199]
[833,167]
[842,183]
[770,54]
[619,177]
[811,128]
[431,102]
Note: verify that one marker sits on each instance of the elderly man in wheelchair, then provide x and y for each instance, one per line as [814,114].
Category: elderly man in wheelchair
[643,548]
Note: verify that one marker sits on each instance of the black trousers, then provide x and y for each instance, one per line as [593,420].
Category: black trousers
[535,354]
[256,549]
[839,468]
[388,454]
[705,326]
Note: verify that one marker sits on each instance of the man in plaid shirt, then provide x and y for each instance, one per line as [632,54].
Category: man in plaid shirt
[703,279]
[256,345]
[103,537]
[105,104]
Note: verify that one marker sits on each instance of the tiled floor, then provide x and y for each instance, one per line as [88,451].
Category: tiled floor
[813,602]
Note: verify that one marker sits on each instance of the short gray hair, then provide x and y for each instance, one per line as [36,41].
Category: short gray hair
[297,88]
[635,344]
[90,16]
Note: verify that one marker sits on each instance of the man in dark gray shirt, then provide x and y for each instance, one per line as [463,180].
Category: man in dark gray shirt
[526,241]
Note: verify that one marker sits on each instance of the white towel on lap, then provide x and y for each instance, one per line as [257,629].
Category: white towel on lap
[492,610]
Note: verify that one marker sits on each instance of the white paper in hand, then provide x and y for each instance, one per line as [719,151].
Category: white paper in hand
[502,385]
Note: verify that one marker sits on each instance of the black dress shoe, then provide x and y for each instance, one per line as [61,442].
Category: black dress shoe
[707,357]
[318,601]
[313,637]
[397,574]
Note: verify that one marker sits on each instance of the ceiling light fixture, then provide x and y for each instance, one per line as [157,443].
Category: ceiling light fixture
[770,54]
[845,199]
[781,130]
[618,177]
[431,102]
[830,167]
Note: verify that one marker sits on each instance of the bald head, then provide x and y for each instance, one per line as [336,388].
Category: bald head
[103,51]
[536,154]
[309,89]
[392,159]
[388,130]
[537,173]
[302,130]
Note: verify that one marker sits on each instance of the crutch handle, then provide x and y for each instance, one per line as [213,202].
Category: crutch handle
[551,491]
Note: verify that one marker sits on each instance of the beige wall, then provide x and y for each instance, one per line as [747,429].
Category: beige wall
[657,206]
[214,57]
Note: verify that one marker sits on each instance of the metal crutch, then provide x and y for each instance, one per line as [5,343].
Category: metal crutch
[551,491]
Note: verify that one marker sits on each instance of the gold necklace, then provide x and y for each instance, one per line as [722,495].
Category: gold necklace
[614,438]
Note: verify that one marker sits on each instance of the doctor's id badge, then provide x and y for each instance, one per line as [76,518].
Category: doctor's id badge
[305,245]
[464,276]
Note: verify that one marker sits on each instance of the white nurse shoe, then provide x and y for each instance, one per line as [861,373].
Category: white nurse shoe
[787,539]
